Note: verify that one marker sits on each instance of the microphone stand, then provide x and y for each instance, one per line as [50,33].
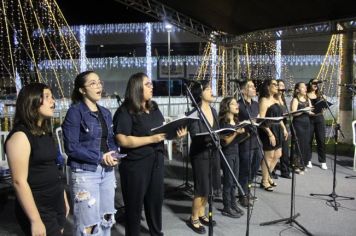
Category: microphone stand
[333,195]
[254,131]
[186,186]
[292,218]
[353,90]
[214,144]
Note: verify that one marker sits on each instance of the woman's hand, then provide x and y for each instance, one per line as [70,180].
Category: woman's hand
[182,132]
[285,134]
[108,159]
[240,131]
[272,140]
[38,228]
[158,137]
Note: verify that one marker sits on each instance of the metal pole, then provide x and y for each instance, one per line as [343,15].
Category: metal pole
[169,73]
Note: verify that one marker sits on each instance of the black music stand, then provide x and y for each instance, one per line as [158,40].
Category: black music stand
[333,195]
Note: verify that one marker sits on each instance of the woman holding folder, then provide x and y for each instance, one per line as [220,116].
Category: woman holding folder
[271,135]
[317,123]
[301,124]
[142,170]
[200,152]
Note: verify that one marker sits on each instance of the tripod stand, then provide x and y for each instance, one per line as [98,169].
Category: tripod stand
[292,218]
[333,195]
[353,91]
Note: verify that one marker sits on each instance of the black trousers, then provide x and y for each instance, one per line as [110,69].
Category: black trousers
[285,160]
[229,184]
[249,165]
[302,129]
[142,184]
[317,129]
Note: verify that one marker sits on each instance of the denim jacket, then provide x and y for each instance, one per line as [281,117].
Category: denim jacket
[82,136]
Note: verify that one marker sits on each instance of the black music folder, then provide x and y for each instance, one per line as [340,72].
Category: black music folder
[170,128]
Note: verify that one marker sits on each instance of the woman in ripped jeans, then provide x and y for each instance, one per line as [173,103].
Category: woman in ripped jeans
[89,144]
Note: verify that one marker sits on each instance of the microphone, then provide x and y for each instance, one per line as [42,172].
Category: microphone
[317,82]
[348,85]
[187,81]
[285,90]
[237,80]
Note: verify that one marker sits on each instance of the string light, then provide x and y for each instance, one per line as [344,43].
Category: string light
[213,68]
[148,36]
[83,57]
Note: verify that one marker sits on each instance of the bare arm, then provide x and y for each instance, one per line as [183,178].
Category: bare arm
[18,152]
[134,141]
[263,109]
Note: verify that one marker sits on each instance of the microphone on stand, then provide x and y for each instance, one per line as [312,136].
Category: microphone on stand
[318,82]
[188,81]
[348,85]
[237,80]
[285,90]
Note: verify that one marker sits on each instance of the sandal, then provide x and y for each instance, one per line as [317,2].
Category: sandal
[192,224]
[273,184]
[268,188]
[205,221]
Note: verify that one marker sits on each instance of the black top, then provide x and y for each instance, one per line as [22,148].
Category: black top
[139,125]
[304,117]
[317,109]
[253,110]
[198,147]
[104,133]
[43,173]
[233,147]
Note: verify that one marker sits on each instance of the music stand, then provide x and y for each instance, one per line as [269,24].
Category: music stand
[292,218]
[215,143]
[333,195]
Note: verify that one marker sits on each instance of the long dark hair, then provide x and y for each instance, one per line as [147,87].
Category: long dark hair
[197,90]
[225,109]
[134,95]
[79,82]
[296,86]
[282,96]
[309,88]
[28,102]
[263,92]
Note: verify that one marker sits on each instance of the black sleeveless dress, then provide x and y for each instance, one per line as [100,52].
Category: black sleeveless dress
[44,179]
[274,110]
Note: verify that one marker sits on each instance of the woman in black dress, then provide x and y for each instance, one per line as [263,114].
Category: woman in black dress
[272,135]
[142,170]
[284,161]
[200,154]
[301,123]
[41,202]
[317,123]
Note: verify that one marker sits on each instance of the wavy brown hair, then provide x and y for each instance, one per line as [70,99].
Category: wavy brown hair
[28,103]
[134,95]
[225,109]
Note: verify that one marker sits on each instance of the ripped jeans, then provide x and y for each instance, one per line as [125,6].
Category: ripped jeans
[93,196]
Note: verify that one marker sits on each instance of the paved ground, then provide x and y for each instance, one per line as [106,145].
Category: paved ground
[316,214]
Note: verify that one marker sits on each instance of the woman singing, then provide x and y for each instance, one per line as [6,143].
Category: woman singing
[90,145]
[229,110]
[317,123]
[41,203]
[272,135]
[142,170]
[200,153]
[301,123]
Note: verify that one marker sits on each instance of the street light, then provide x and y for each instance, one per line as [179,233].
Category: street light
[169,29]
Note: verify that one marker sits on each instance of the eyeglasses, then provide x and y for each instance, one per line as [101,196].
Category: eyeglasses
[95,84]
[149,84]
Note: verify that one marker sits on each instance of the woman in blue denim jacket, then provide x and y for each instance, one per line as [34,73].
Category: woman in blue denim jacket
[90,146]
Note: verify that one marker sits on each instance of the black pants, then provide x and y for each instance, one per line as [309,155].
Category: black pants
[142,184]
[302,129]
[317,128]
[249,165]
[285,161]
[229,184]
